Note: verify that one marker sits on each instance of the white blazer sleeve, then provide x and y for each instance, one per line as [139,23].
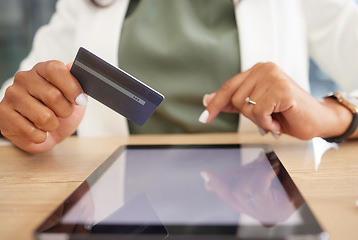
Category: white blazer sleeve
[56,39]
[333,39]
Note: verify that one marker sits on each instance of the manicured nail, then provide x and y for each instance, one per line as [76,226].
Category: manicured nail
[81,100]
[276,134]
[205,100]
[205,176]
[262,131]
[204,116]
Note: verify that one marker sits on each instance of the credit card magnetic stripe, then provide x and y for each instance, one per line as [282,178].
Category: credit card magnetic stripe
[115,88]
[109,82]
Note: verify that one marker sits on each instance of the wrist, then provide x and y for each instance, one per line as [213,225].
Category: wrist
[336,117]
[350,103]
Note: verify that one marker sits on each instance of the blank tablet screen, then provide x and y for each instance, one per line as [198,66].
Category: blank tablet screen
[186,192]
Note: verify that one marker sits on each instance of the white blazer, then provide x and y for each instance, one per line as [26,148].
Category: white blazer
[285,32]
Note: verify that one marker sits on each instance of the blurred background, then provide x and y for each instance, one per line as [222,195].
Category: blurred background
[19,20]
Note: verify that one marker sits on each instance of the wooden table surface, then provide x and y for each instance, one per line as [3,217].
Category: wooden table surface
[32,186]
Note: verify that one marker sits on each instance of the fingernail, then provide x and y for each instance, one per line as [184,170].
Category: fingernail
[205,100]
[81,100]
[262,131]
[276,134]
[204,116]
[205,176]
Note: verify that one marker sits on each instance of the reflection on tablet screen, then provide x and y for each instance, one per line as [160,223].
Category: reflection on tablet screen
[231,191]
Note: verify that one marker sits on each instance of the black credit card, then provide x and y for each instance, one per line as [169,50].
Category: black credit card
[114,87]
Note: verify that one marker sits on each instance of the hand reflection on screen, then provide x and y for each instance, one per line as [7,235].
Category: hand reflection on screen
[254,189]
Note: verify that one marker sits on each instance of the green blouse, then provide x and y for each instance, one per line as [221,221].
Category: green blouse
[183,49]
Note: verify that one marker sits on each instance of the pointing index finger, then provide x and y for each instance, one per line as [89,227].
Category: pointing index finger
[221,100]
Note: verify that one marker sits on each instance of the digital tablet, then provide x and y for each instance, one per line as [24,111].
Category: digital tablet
[236,191]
